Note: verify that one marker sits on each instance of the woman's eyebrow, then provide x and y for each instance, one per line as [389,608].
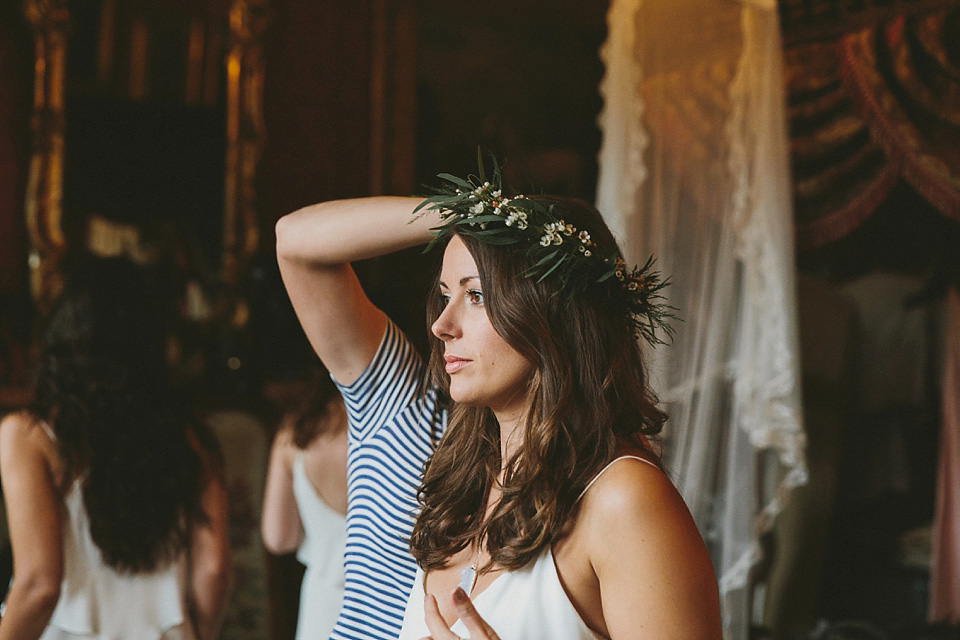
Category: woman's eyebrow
[463,281]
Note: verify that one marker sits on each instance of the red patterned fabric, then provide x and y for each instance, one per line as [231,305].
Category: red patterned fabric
[877,106]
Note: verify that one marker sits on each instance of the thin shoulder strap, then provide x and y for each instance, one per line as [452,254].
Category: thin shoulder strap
[610,464]
[47,429]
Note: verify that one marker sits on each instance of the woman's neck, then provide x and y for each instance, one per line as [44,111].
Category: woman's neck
[511,435]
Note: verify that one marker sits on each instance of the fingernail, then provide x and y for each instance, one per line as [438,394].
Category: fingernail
[460,595]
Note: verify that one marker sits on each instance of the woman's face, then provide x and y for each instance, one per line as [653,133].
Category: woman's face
[484,370]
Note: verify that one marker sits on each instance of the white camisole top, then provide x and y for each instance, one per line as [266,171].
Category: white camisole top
[528,603]
[325,536]
[98,603]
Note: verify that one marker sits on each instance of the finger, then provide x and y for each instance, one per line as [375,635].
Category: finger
[477,626]
[435,622]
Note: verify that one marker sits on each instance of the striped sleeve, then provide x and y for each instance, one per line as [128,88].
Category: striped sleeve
[394,422]
[392,381]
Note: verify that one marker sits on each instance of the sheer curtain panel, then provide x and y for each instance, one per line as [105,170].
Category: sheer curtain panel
[694,169]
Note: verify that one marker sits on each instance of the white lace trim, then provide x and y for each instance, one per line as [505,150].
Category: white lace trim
[622,169]
[766,385]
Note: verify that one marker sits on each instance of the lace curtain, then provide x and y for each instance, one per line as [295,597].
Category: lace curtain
[694,169]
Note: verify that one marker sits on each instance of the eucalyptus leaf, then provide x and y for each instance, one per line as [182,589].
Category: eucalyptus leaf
[547,258]
[550,270]
[460,182]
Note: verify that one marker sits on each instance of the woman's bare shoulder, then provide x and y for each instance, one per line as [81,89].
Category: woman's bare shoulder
[22,428]
[637,500]
[641,539]
[17,420]
[24,440]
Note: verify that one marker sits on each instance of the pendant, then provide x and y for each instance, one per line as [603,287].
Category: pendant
[468,577]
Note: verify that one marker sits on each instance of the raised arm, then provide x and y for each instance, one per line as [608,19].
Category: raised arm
[315,246]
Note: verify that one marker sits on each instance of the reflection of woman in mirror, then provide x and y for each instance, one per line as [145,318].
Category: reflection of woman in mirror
[305,500]
[116,508]
[542,502]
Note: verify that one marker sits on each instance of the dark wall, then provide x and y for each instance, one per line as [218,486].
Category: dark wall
[16,69]
[520,79]
[316,105]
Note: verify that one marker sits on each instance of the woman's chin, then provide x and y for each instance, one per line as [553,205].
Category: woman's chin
[462,396]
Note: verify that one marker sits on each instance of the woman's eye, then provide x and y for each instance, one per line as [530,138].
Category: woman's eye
[444,299]
[475,296]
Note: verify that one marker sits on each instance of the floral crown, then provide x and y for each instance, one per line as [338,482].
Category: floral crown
[476,207]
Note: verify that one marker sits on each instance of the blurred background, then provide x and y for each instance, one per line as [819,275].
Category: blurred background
[176,132]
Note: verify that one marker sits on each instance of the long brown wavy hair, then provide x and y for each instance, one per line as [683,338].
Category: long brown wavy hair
[121,428]
[589,397]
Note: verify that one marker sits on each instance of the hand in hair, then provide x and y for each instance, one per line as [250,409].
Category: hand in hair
[439,630]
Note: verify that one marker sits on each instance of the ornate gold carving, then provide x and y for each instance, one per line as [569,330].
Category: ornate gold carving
[245,132]
[50,20]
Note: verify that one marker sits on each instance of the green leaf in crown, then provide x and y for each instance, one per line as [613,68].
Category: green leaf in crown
[476,207]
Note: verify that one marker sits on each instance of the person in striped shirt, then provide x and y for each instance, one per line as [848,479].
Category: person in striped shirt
[395,418]
[536,367]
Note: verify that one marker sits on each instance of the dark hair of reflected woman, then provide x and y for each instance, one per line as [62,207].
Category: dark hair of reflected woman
[121,428]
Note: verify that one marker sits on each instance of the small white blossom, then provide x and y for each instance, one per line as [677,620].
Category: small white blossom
[477,209]
[584,237]
[587,253]
[552,235]
[518,217]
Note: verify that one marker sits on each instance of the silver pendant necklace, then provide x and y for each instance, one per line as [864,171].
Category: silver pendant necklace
[468,577]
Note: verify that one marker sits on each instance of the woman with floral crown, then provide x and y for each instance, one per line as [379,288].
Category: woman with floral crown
[509,486]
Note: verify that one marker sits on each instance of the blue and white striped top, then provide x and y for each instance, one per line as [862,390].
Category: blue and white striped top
[394,425]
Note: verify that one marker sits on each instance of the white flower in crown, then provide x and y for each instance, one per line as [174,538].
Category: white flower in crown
[463,201]
[516,217]
[553,233]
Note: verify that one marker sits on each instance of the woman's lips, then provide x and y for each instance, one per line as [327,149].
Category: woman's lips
[454,364]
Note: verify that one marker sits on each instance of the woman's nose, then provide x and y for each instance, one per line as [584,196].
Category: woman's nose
[446,327]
